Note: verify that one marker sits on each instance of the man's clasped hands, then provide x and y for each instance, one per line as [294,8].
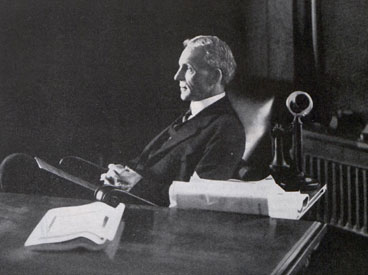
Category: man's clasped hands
[120,176]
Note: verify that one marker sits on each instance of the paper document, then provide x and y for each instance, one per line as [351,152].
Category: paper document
[96,221]
[263,197]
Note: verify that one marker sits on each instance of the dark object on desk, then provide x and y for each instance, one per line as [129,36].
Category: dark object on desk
[163,241]
[299,104]
[21,173]
[108,194]
[113,196]
[280,169]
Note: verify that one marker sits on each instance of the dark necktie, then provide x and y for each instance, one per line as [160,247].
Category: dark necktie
[182,120]
[186,115]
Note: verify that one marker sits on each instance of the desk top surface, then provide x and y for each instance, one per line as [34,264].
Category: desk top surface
[157,240]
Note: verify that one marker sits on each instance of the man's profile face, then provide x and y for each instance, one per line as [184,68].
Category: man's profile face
[194,75]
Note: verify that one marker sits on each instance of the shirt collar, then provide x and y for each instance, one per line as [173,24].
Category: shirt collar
[198,106]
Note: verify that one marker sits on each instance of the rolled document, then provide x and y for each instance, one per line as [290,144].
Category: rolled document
[263,197]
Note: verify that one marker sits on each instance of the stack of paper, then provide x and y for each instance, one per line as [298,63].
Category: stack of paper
[263,197]
[97,222]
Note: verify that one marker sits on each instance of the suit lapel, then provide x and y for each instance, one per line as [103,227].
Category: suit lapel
[160,138]
[160,135]
[187,130]
[193,126]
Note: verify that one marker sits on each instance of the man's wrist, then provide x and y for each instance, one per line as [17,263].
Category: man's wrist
[136,178]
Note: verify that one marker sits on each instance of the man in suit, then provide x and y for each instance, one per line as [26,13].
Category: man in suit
[208,140]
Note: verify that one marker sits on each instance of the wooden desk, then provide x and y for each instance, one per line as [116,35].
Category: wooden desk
[161,241]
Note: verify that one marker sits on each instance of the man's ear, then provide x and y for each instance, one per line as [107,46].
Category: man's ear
[217,76]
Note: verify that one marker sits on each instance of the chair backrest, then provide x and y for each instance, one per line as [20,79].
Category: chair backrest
[256,119]
[259,103]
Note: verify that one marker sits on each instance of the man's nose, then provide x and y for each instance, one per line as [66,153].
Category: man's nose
[179,75]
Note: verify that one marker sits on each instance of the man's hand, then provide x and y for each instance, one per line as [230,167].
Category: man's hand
[120,176]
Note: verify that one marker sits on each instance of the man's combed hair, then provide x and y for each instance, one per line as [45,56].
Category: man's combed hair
[217,54]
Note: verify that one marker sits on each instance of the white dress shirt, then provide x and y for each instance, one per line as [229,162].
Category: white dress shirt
[198,106]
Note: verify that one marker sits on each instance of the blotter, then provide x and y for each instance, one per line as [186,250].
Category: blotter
[90,226]
[263,197]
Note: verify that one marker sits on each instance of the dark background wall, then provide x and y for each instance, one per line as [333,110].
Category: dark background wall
[95,78]
[344,39]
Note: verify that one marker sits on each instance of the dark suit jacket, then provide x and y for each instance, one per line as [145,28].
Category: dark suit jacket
[211,144]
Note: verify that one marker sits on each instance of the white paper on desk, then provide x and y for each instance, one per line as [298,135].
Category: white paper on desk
[288,205]
[262,197]
[96,221]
